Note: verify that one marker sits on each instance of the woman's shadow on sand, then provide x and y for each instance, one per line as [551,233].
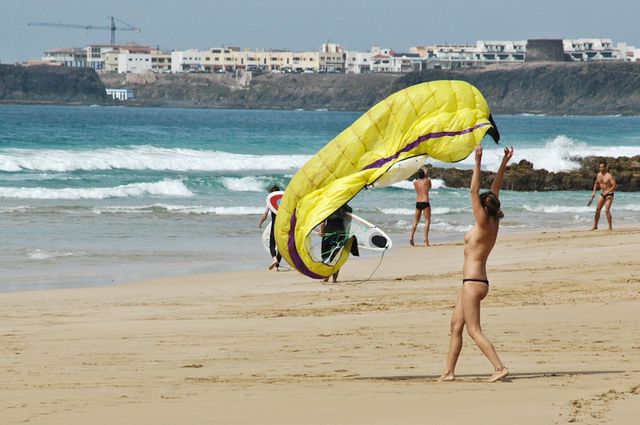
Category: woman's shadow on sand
[476,378]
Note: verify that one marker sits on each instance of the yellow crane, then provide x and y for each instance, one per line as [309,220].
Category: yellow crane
[111,27]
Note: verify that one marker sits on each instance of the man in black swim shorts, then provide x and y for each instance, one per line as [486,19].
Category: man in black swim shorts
[608,185]
[422,185]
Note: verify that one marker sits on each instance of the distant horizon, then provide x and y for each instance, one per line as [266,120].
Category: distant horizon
[304,25]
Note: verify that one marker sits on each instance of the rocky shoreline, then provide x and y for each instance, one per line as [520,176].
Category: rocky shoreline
[51,85]
[523,177]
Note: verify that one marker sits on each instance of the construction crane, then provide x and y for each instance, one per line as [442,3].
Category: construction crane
[111,27]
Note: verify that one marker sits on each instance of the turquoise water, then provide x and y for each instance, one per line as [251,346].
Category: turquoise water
[100,195]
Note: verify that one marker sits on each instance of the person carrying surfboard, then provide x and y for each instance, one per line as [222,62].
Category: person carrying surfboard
[273,250]
[334,236]
[422,185]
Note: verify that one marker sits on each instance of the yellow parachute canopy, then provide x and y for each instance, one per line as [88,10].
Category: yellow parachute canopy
[445,120]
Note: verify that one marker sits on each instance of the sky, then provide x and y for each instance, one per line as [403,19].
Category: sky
[305,24]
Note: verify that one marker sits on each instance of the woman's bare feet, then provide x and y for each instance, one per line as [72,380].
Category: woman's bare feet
[501,372]
[411,242]
[446,377]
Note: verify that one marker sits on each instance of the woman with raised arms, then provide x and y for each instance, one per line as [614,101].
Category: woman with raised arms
[478,243]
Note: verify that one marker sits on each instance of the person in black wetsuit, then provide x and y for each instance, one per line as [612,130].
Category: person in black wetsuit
[334,235]
[273,250]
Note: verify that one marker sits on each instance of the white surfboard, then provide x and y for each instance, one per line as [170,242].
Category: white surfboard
[273,200]
[401,171]
[368,235]
[265,237]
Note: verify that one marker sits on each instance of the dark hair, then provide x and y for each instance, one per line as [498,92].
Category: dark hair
[274,188]
[421,173]
[491,204]
[603,162]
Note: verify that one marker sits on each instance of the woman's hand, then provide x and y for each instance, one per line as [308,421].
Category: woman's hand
[508,154]
[478,154]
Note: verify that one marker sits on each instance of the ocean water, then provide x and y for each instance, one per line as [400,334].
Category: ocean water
[103,195]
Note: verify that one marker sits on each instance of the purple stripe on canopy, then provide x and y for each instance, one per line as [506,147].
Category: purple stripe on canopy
[293,251]
[379,163]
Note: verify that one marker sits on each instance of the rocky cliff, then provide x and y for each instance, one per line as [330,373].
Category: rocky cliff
[266,91]
[551,88]
[548,88]
[48,84]
[522,176]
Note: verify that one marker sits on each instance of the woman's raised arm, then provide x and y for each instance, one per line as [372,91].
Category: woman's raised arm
[497,182]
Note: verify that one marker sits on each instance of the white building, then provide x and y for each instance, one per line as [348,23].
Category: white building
[71,57]
[500,51]
[484,52]
[404,62]
[381,59]
[591,49]
[120,94]
[95,55]
[358,62]
[190,60]
[134,62]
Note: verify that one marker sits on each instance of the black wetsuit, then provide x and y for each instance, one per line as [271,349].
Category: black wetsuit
[335,234]
[272,239]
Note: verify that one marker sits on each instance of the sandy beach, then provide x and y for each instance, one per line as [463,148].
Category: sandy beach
[277,348]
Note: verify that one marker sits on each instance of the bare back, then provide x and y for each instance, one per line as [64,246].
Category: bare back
[422,187]
[478,243]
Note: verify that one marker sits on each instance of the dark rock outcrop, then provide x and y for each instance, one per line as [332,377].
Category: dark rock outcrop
[48,84]
[551,88]
[266,91]
[523,177]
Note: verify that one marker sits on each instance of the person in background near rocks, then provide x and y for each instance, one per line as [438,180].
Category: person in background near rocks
[422,185]
[273,250]
[478,243]
[607,187]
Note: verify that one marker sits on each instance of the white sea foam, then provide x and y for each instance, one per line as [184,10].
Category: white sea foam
[439,225]
[38,254]
[142,158]
[564,209]
[244,184]
[407,185]
[16,209]
[558,154]
[411,211]
[161,188]
[179,209]
[557,209]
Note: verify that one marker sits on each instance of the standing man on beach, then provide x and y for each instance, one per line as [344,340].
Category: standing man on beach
[607,187]
[422,185]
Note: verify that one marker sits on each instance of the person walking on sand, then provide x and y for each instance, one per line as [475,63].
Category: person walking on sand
[478,243]
[273,250]
[422,185]
[334,236]
[608,185]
